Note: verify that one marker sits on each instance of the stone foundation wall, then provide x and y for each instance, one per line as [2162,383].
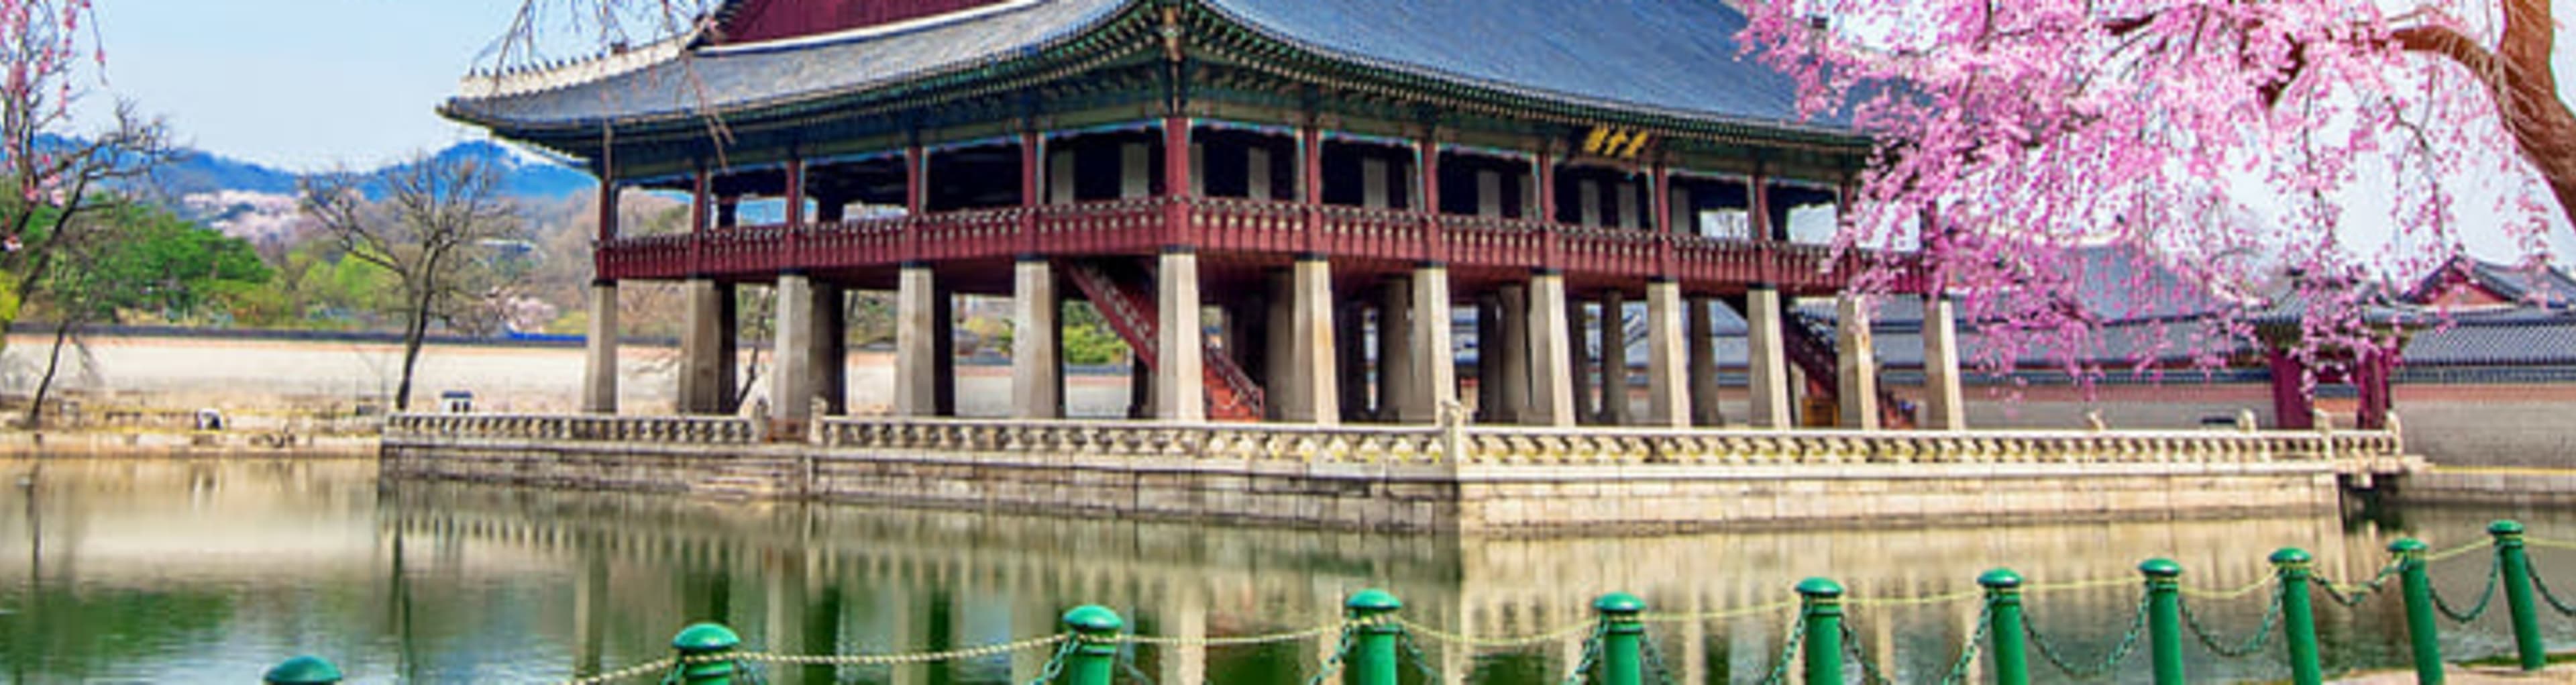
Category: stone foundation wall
[2517,487]
[1503,499]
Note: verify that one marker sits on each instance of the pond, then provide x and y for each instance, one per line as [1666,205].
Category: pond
[204,571]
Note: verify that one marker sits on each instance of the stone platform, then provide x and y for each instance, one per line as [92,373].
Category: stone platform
[1414,477]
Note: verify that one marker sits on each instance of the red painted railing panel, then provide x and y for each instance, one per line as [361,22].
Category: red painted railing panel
[1142,226]
[1112,227]
[1372,233]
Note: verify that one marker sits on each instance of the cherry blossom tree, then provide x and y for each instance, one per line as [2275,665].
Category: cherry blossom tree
[55,174]
[2226,140]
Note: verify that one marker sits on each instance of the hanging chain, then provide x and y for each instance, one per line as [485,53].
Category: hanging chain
[1513,642]
[900,659]
[1791,642]
[2537,581]
[2495,574]
[1591,655]
[1054,668]
[2120,652]
[662,664]
[1655,660]
[1421,662]
[1333,664]
[1968,653]
[1869,671]
[2262,635]
[2352,595]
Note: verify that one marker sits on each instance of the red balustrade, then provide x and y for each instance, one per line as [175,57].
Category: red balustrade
[1141,226]
[1239,225]
[1112,227]
[1493,241]
[1377,233]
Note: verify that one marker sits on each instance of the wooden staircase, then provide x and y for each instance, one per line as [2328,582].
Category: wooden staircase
[1124,293]
[1810,345]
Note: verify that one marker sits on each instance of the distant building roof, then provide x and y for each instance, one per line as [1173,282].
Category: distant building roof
[2469,282]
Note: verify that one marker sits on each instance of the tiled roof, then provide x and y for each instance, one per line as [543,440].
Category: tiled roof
[1675,57]
[1657,57]
[2517,337]
[755,75]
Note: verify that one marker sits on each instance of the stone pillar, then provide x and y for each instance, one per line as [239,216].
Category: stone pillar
[1768,359]
[1701,338]
[1489,360]
[599,376]
[1858,367]
[1435,364]
[1350,338]
[943,353]
[831,348]
[916,376]
[1279,379]
[1614,357]
[701,347]
[1037,373]
[1550,351]
[1668,400]
[1312,369]
[1945,405]
[1579,376]
[1394,349]
[1180,386]
[1516,353]
[791,382]
[728,386]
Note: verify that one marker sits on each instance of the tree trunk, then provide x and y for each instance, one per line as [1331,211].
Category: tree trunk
[2519,77]
[412,337]
[53,363]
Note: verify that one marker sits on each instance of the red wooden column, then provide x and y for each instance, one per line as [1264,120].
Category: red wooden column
[1551,246]
[608,191]
[2290,402]
[916,183]
[1757,204]
[1659,184]
[1310,187]
[795,192]
[1176,183]
[1435,242]
[1032,159]
[699,183]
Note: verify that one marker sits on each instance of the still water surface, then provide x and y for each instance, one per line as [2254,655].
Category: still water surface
[207,571]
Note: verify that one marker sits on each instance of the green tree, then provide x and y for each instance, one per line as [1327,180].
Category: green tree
[128,259]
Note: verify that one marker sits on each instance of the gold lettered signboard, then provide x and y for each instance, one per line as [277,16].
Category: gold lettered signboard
[1613,142]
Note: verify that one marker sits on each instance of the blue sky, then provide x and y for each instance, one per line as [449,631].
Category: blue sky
[302,84]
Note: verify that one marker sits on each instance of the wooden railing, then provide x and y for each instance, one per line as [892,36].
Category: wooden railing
[1144,225]
[1501,445]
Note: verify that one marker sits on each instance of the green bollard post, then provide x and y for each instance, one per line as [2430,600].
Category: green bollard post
[2164,618]
[2003,608]
[303,670]
[1094,659]
[2517,593]
[2417,589]
[2298,615]
[701,650]
[1372,657]
[1824,640]
[1622,639]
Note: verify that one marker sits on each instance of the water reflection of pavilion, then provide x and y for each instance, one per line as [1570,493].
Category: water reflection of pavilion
[851,579]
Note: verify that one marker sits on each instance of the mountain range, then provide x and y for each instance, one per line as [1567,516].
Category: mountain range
[255,201]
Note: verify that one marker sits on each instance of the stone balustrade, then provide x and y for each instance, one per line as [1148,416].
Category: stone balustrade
[1431,445]
[1477,445]
[683,430]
